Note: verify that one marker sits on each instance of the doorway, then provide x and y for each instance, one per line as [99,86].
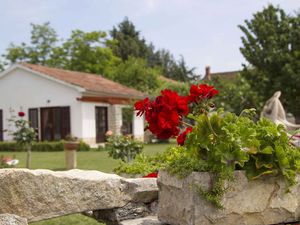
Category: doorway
[101,124]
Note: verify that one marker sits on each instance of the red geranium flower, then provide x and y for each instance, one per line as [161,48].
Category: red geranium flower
[21,114]
[164,113]
[203,91]
[151,175]
[142,106]
[181,138]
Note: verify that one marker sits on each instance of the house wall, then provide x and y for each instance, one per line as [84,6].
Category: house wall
[21,90]
[114,121]
[89,121]
[138,127]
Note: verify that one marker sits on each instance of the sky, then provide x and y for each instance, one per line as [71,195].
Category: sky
[204,32]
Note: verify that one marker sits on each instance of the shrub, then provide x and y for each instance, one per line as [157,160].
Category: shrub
[123,147]
[36,147]
[83,147]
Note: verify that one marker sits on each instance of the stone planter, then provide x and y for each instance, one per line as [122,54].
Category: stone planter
[257,202]
[70,154]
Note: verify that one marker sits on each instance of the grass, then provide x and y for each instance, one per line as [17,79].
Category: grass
[91,160]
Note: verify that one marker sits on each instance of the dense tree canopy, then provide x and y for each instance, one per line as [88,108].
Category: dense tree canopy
[272,48]
[135,73]
[127,41]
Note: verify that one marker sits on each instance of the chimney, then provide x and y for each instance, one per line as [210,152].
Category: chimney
[207,73]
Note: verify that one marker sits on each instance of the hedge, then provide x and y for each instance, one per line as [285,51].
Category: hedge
[45,146]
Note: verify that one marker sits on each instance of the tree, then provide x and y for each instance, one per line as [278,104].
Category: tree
[136,74]
[272,48]
[236,95]
[40,50]
[86,52]
[172,68]
[127,41]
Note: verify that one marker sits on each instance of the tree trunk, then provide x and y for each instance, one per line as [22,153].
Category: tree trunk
[28,159]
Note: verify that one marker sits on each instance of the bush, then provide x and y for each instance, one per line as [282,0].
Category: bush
[123,147]
[36,147]
[83,147]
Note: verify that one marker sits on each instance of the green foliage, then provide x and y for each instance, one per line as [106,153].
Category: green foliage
[127,41]
[123,147]
[236,95]
[36,147]
[86,52]
[271,46]
[222,143]
[39,51]
[135,73]
[170,67]
[22,132]
[83,147]
[141,165]
[182,88]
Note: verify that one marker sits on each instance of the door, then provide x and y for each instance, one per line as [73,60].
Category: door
[1,125]
[101,124]
[55,123]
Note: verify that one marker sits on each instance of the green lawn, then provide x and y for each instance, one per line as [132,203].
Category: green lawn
[91,160]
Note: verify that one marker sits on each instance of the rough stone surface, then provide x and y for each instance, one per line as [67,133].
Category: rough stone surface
[143,190]
[149,220]
[43,194]
[129,211]
[10,219]
[257,202]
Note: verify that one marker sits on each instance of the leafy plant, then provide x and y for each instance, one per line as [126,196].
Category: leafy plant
[123,147]
[218,142]
[23,133]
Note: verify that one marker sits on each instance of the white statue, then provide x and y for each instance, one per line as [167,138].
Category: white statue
[274,111]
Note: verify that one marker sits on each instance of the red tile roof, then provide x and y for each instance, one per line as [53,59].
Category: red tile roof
[90,82]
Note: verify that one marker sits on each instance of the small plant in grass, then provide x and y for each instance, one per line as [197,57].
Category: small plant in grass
[123,147]
[22,133]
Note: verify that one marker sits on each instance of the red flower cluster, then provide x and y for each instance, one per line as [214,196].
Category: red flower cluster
[164,113]
[151,175]
[203,91]
[181,138]
[21,114]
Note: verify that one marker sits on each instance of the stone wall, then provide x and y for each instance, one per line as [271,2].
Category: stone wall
[256,202]
[42,194]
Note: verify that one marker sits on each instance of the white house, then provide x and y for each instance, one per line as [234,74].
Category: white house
[60,102]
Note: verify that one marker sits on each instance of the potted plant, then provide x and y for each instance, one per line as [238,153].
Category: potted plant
[71,144]
[227,168]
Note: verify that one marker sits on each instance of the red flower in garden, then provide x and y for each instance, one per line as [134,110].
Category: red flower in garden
[181,138]
[21,114]
[164,113]
[151,175]
[142,106]
[203,91]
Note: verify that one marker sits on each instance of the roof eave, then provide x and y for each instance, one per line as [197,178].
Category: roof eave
[106,94]
[78,88]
